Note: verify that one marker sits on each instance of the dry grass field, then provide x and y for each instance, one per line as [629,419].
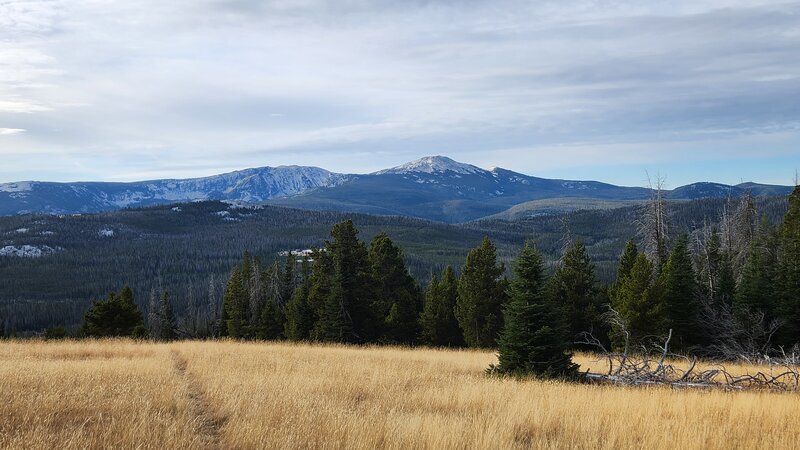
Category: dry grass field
[123,394]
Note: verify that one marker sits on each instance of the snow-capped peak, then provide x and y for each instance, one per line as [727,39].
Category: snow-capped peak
[432,164]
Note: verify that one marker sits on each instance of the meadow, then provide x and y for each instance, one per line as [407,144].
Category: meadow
[127,394]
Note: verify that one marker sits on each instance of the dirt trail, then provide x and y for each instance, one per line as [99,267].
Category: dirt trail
[207,425]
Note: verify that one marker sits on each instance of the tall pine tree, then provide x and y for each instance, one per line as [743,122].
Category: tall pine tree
[396,302]
[534,340]
[789,270]
[236,302]
[757,289]
[573,287]
[346,314]
[680,304]
[637,306]
[481,295]
[626,262]
[299,315]
[438,323]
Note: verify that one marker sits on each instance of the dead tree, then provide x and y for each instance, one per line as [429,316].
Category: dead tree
[654,225]
[566,240]
[738,336]
[738,227]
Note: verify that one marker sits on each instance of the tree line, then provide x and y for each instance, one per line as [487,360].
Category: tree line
[727,290]
[181,252]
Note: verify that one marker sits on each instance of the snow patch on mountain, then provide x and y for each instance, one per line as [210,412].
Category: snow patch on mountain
[22,186]
[431,165]
[27,251]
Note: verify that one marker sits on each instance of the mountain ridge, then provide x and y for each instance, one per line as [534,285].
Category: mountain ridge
[434,187]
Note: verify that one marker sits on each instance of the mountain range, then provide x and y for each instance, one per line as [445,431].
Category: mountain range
[434,187]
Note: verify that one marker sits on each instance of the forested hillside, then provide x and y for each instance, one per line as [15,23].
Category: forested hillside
[51,267]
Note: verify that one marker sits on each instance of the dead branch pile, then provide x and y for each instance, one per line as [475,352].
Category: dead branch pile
[655,365]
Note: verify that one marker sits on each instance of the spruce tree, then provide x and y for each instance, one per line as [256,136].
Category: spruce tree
[636,304]
[789,270]
[320,291]
[236,303]
[118,315]
[438,323]
[299,315]
[270,321]
[534,340]
[757,289]
[481,295]
[346,313]
[396,302]
[573,287]
[288,279]
[626,261]
[680,300]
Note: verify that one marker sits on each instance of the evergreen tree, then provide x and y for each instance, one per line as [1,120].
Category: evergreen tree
[236,303]
[438,323]
[757,289]
[346,314]
[271,321]
[680,300]
[118,315]
[396,303]
[299,315]
[266,304]
[481,295]
[635,303]
[288,281]
[534,340]
[626,262]
[319,293]
[573,287]
[789,270]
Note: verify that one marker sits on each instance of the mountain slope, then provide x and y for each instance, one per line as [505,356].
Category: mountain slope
[434,187]
[250,185]
[441,189]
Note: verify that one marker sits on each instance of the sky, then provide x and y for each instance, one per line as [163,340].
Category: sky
[119,90]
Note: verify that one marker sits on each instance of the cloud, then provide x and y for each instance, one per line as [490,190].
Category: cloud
[544,85]
[10,131]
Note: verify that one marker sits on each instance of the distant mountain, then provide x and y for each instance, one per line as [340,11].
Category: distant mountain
[434,187]
[249,185]
[439,188]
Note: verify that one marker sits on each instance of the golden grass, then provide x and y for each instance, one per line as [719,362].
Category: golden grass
[98,394]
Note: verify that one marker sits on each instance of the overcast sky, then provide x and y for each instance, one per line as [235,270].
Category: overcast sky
[124,90]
